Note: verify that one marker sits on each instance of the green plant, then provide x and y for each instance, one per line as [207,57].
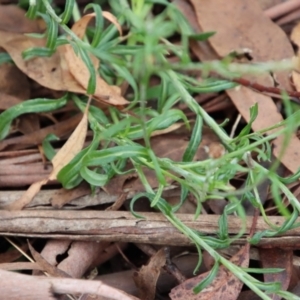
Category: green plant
[146,44]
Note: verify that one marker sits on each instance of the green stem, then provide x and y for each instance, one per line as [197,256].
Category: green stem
[195,107]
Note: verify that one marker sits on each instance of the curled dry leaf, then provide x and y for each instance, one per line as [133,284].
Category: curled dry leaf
[295,37]
[235,30]
[104,93]
[13,19]
[64,70]
[45,265]
[69,150]
[51,72]
[146,278]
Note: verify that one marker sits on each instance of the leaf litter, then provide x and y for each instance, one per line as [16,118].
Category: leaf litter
[259,41]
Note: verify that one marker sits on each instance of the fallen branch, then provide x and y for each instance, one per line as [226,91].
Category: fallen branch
[117,226]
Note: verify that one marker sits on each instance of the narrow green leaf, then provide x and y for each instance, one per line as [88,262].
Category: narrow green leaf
[105,156]
[29,106]
[132,202]
[66,15]
[32,10]
[37,51]
[194,141]
[92,80]
[5,58]
[92,177]
[52,31]
[99,24]
[269,287]
[157,196]
[263,270]
[202,36]
[159,174]
[183,195]
[47,147]
[253,115]
[69,175]
[223,226]
[208,279]
[166,120]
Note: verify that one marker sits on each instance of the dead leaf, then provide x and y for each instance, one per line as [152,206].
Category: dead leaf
[203,48]
[51,72]
[264,4]
[45,265]
[69,150]
[224,286]
[7,101]
[13,19]
[146,278]
[27,196]
[12,254]
[13,82]
[72,147]
[63,196]
[104,93]
[236,30]
[56,72]
[79,27]
[295,37]
[28,123]
[277,258]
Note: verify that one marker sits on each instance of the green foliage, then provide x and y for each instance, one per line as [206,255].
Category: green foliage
[29,106]
[135,59]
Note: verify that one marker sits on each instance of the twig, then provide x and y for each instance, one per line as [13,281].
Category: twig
[124,227]
[282,8]
[267,89]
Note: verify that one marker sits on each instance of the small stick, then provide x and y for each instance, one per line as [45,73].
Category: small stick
[282,8]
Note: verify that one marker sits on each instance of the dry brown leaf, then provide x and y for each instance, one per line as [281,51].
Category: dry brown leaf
[224,286]
[13,82]
[277,258]
[79,27]
[7,101]
[235,30]
[56,72]
[45,265]
[146,278]
[13,19]
[104,93]
[264,4]
[113,19]
[63,196]
[295,37]
[51,72]
[69,150]
[202,49]
[28,123]
[12,254]
[72,147]
[27,196]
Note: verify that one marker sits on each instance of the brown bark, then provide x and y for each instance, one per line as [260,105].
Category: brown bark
[124,227]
